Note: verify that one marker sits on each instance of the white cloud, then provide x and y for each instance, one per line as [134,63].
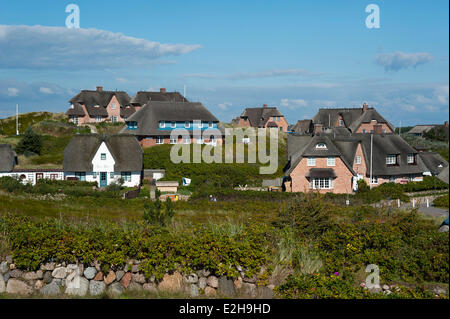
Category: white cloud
[224,105]
[408,107]
[45,90]
[37,47]
[400,60]
[13,91]
[253,75]
[294,103]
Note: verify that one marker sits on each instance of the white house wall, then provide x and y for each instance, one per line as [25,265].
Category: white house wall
[100,165]
[30,177]
[135,178]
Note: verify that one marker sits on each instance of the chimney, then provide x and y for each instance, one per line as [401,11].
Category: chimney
[99,88]
[264,105]
[318,128]
[162,90]
[446,123]
[365,107]
[378,129]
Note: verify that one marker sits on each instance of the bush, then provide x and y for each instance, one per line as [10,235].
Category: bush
[31,143]
[441,201]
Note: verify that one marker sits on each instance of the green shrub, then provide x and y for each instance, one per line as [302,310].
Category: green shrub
[31,142]
[441,201]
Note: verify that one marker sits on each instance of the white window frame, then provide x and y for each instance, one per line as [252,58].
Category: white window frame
[113,106]
[341,122]
[331,161]
[210,125]
[75,119]
[321,183]
[410,159]
[173,140]
[187,140]
[391,179]
[363,130]
[98,118]
[103,156]
[173,124]
[311,161]
[374,180]
[187,124]
[114,119]
[162,124]
[358,159]
[200,124]
[389,160]
[126,176]
[322,146]
[159,140]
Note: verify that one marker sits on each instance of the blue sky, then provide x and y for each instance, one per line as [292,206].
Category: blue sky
[296,55]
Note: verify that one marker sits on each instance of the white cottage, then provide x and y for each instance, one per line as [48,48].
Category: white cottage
[104,159]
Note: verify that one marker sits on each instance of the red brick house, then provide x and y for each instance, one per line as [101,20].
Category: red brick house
[334,162]
[263,117]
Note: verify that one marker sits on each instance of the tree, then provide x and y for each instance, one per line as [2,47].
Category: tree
[31,142]
[157,213]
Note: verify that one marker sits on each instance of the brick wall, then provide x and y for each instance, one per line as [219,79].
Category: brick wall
[370,126]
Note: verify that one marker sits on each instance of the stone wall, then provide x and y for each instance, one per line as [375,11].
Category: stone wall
[54,279]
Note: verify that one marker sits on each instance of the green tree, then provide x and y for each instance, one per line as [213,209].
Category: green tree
[31,142]
[157,213]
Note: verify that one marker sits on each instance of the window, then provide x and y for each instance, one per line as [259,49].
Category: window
[331,161]
[210,124]
[341,123]
[132,125]
[81,176]
[173,140]
[391,159]
[75,120]
[411,177]
[126,176]
[111,175]
[114,119]
[173,124]
[321,145]
[94,174]
[98,118]
[311,161]
[200,124]
[187,140]
[321,183]
[53,176]
[364,130]
[374,180]
[411,159]
[162,124]
[358,159]
[103,156]
[113,106]
[159,140]
[391,179]
[384,131]
[187,124]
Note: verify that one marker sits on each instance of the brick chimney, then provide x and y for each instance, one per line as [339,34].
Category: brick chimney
[264,105]
[446,123]
[318,128]
[365,107]
[378,129]
[162,90]
[99,88]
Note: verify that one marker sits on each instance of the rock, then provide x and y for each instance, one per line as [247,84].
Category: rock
[97,265]
[139,278]
[375,290]
[59,282]
[119,274]
[150,287]
[111,277]
[9,259]
[134,286]
[193,290]
[12,267]
[443,229]
[126,279]
[385,287]
[51,289]
[39,274]
[249,280]
[239,268]
[212,281]
[38,284]
[47,277]
[202,283]
[387,292]
[210,292]
[152,278]
[96,287]
[226,287]
[16,273]
[4,268]
[31,276]
[116,289]
[135,268]
[90,272]
[99,276]
[203,273]
[16,286]
[172,283]
[238,283]
[6,277]
[78,287]
[48,266]
[192,278]
[2,284]
[264,293]
[59,273]
[248,290]
[436,290]
[271,287]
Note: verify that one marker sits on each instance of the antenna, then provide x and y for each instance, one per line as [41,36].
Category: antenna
[17,119]
[184,92]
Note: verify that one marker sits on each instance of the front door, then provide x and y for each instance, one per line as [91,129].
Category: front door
[103,179]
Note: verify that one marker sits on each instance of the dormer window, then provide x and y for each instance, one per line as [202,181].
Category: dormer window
[187,124]
[391,159]
[162,124]
[321,146]
[96,105]
[71,106]
[173,124]
[210,124]
[411,159]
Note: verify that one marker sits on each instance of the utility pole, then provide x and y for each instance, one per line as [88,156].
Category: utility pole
[17,119]
[371,157]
